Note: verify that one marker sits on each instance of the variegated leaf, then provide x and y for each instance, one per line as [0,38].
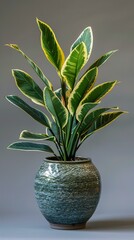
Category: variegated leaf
[34,113]
[103,120]
[56,108]
[50,45]
[87,37]
[102,59]
[33,65]
[83,109]
[29,146]
[98,92]
[35,136]
[81,88]
[73,64]
[28,87]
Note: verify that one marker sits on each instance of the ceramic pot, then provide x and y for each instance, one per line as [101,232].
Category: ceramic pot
[67,192]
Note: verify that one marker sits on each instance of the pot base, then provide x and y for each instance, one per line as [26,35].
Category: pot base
[68,226]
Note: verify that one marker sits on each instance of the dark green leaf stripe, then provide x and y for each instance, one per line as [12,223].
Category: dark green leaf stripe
[33,65]
[73,64]
[56,108]
[28,87]
[29,146]
[87,37]
[34,113]
[81,88]
[35,136]
[98,92]
[50,45]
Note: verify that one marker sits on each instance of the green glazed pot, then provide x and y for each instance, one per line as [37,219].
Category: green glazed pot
[67,192]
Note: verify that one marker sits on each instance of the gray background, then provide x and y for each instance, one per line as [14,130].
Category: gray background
[111,149]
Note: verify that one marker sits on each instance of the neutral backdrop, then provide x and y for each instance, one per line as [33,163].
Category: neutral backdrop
[111,149]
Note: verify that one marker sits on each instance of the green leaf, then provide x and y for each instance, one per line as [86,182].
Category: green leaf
[56,108]
[87,37]
[50,45]
[98,92]
[33,65]
[73,64]
[90,118]
[35,136]
[81,88]
[28,87]
[83,109]
[102,59]
[34,113]
[29,146]
[102,121]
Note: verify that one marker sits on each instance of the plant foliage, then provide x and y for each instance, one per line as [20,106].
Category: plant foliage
[73,108]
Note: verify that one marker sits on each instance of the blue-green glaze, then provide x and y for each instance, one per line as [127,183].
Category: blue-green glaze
[67,192]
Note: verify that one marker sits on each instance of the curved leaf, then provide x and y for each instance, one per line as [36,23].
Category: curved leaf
[98,92]
[56,108]
[102,121]
[29,146]
[83,109]
[35,136]
[34,113]
[28,87]
[33,65]
[87,37]
[73,64]
[102,59]
[50,45]
[81,88]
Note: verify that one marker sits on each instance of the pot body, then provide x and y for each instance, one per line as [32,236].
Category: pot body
[67,193]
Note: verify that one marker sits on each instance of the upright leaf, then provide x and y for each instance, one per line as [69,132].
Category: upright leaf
[56,108]
[34,113]
[29,146]
[87,37]
[33,65]
[73,64]
[98,92]
[81,88]
[50,45]
[28,87]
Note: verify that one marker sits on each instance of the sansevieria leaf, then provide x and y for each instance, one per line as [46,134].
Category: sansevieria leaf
[83,109]
[34,113]
[103,120]
[50,45]
[87,37]
[35,136]
[28,86]
[33,65]
[81,88]
[55,107]
[103,59]
[29,146]
[98,92]
[73,64]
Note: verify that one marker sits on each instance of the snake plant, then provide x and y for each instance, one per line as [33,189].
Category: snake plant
[73,109]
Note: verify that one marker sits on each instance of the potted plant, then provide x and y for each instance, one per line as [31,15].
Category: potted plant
[67,187]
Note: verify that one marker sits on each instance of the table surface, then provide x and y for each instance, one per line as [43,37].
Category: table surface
[36,227]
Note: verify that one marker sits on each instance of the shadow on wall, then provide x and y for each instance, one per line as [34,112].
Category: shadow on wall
[111,224]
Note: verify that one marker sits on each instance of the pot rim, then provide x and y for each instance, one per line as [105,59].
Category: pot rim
[53,159]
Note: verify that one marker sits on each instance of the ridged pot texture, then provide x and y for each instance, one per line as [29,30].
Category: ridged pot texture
[68,192]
